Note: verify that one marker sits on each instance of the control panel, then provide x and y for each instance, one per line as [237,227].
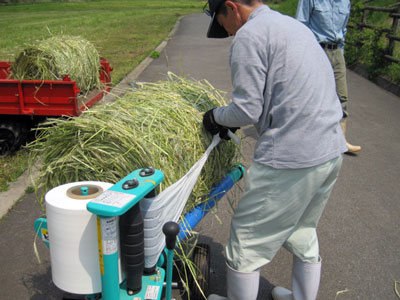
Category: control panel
[123,195]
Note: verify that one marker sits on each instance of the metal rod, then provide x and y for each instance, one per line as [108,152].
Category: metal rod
[108,256]
[192,218]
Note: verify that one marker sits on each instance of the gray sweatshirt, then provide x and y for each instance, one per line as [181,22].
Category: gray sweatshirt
[283,85]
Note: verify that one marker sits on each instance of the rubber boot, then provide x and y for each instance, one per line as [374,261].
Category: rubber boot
[216,297]
[350,148]
[305,279]
[280,293]
[240,285]
[305,282]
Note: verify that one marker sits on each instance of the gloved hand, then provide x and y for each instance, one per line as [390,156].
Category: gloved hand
[223,132]
[209,122]
[213,127]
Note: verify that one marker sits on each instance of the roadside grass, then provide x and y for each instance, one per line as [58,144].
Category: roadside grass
[124,32]
[287,7]
[11,167]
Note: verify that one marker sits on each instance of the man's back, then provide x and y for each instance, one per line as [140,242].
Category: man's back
[284,85]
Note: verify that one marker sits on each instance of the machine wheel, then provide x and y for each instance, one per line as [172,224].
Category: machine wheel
[69,296]
[12,135]
[201,258]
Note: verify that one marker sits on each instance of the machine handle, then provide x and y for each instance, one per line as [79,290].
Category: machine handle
[171,230]
[234,137]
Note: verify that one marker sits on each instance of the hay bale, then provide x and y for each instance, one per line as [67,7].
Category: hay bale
[158,125]
[57,56]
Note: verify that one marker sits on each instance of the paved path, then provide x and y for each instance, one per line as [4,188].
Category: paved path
[359,231]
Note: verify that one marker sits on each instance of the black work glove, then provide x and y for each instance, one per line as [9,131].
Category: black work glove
[209,122]
[213,127]
[223,132]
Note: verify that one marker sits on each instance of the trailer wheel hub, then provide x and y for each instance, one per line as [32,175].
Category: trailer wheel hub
[10,134]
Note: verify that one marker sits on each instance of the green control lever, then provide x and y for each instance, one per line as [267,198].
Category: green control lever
[171,230]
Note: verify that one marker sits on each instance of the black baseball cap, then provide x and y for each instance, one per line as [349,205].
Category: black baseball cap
[214,29]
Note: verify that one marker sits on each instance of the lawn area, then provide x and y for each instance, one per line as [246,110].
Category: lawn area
[123,31]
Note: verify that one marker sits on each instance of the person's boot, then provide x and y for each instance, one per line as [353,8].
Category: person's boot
[216,297]
[351,148]
[305,282]
[240,285]
[280,293]
[305,279]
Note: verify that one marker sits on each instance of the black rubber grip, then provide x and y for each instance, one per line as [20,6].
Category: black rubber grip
[132,247]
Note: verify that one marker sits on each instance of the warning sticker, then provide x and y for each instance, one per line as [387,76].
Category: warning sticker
[45,235]
[109,235]
[101,260]
[152,292]
[113,198]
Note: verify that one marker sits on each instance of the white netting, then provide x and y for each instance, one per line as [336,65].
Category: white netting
[168,206]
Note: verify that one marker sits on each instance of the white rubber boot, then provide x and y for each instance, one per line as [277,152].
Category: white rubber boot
[280,293]
[305,279]
[216,297]
[240,285]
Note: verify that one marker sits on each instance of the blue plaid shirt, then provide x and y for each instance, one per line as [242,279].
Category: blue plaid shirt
[327,19]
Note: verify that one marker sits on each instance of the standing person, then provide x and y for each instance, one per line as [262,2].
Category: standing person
[328,21]
[283,85]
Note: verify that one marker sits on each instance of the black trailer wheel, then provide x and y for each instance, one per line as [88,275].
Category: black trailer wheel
[201,258]
[7,140]
[12,135]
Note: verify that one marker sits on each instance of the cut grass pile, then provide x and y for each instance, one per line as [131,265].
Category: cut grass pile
[157,125]
[52,58]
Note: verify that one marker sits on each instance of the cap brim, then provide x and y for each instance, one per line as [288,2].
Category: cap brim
[215,30]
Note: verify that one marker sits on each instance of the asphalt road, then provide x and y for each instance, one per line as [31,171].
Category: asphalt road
[358,233]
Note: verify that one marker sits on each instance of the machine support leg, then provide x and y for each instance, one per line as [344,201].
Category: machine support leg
[171,230]
[108,256]
[170,260]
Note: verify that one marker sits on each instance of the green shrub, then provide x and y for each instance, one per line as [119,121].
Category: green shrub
[353,48]
[373,51]
[394,72]
[366,46]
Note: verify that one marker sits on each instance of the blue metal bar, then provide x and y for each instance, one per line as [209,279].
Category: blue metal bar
[192,218]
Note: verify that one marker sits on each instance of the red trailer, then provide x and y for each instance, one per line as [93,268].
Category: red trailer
[25,103]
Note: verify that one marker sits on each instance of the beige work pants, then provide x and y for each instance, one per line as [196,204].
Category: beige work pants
[279,207]
[338,63]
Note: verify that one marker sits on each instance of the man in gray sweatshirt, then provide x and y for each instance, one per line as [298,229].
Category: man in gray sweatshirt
[284,86]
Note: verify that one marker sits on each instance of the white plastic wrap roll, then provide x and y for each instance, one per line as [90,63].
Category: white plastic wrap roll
[72,229]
